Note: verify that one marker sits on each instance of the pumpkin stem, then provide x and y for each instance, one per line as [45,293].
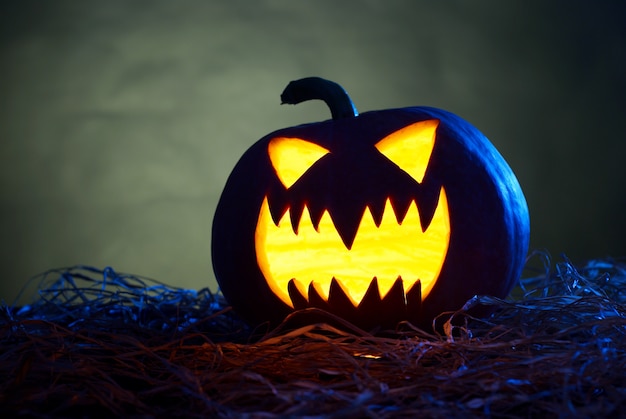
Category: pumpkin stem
[334,95]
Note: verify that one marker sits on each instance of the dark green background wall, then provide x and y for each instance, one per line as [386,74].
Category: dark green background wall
[120,120]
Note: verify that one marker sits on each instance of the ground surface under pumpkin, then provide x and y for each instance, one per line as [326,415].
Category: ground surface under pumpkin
[97,342]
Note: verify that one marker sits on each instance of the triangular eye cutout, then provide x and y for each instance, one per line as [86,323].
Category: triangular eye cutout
[410,147]
[291,157]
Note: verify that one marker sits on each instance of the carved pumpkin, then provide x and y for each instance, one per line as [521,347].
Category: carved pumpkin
[390,215]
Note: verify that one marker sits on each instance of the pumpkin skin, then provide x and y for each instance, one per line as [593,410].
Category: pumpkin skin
[485,207]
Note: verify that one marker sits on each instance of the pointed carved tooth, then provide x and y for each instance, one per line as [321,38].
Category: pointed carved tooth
[338,300]
[348,235]
[295,215]
[315,213]
[377,210]
[395,298]
[427,202]
[371,299]
[277,208]
[315,297]
[347,225]
[297,296]
[400,206]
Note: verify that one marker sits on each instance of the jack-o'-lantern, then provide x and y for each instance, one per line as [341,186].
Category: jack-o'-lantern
[390,215]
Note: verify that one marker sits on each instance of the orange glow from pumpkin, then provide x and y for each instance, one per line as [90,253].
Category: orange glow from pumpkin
[316,256]
[410,147]
[384,252]
[291,157]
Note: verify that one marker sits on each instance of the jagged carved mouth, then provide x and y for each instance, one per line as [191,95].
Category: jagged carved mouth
[313,257]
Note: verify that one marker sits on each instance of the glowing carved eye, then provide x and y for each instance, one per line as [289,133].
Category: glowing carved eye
[291,157]
[410,147]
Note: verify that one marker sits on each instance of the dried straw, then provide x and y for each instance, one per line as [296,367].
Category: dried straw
[100,343]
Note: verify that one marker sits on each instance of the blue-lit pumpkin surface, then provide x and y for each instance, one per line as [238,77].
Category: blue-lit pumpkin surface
[379,217]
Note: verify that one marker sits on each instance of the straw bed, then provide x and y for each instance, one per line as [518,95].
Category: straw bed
[97,343]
